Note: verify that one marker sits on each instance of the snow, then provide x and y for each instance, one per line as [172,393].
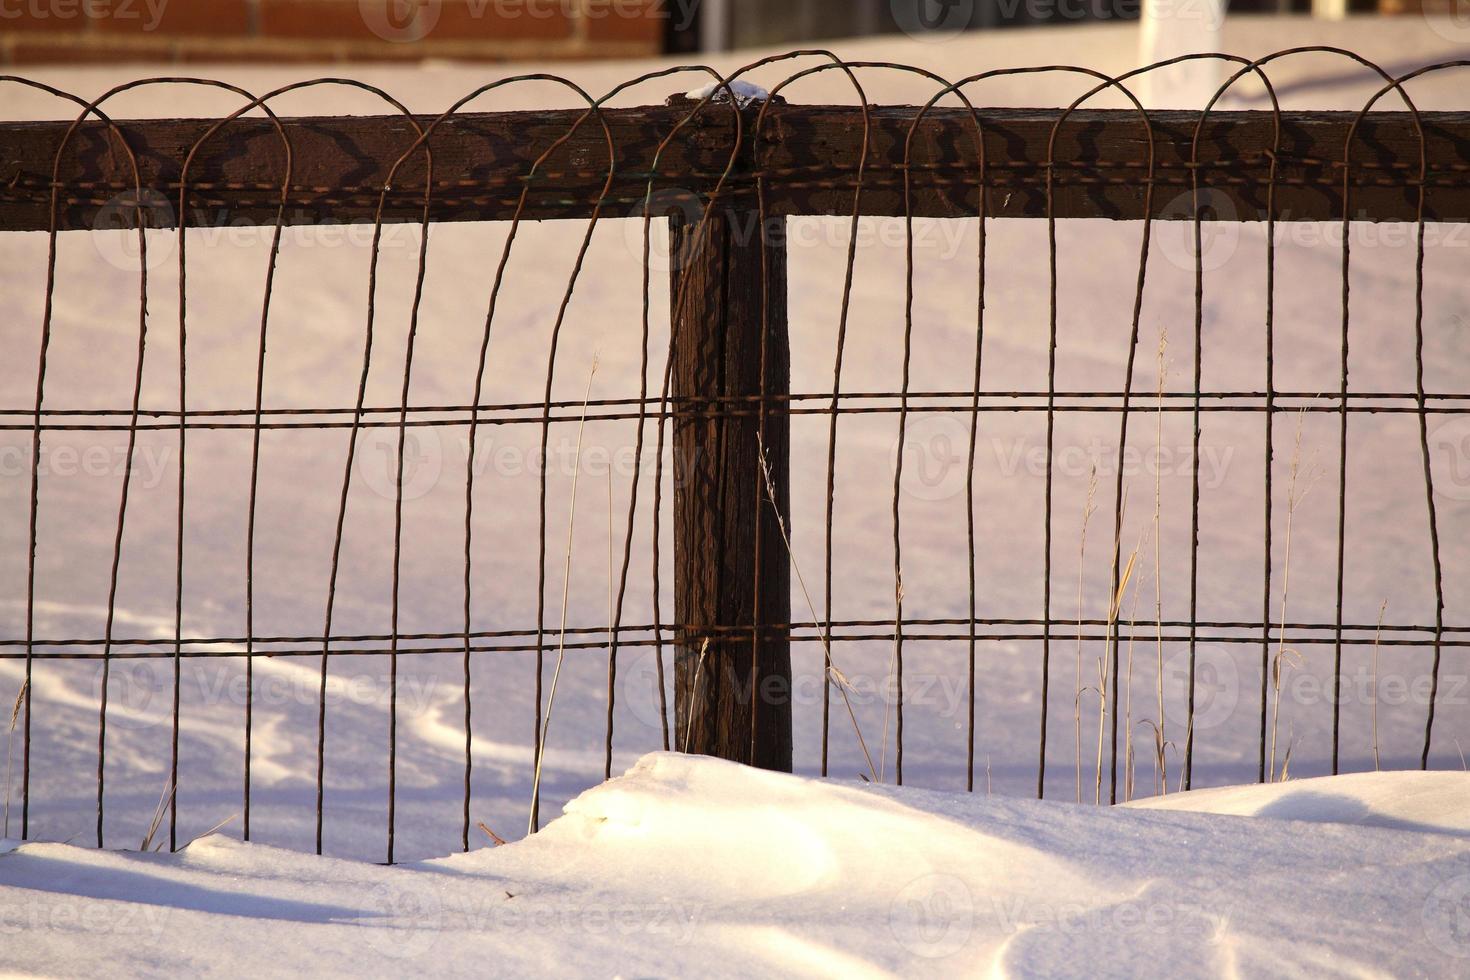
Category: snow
[688,866]
[745,92]
[1422,801]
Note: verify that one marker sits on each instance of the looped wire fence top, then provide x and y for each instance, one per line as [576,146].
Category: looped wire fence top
[779,163]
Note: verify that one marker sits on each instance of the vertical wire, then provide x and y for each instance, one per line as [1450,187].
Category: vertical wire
[367,356]
[908,346]
[1115,603]
[24,697]
[762,409]
[1341,458]
[122,506]
[970,459]
[1194,488]
[561,315]
[265,306]
[1269,447]
[173,786]
[1051,402]
[1270,432]
[35,494]
[413,328]
[1424,450]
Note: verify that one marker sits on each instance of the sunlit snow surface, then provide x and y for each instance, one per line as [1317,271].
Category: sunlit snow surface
[690,866]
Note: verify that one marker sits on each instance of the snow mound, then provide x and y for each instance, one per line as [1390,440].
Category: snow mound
[1422,801]
[688,865]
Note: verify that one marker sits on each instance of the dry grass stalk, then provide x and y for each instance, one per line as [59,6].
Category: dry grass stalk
[10,750]
[158,814]
[1377,635]
[1298,486]
[566,585]
[495,839]
[1128,759]
[843,684]
[1161,775]
[215,829]
[892,686]
[1114,606]
[698,673]
[1088,507]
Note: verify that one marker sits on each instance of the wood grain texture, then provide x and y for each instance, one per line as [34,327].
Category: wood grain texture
[726,534]
[807,155]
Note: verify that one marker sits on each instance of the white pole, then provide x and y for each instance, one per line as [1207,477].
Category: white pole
[1168,29]
[714,26]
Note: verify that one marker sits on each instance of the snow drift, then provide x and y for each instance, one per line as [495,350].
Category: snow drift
[692,865]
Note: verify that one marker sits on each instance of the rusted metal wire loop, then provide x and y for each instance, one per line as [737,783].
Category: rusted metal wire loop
[724,153]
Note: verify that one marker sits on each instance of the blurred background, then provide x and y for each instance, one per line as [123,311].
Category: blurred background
[180,31]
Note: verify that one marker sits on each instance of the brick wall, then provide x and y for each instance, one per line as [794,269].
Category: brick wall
[81,31]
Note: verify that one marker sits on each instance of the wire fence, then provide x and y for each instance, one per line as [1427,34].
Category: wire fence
[730,153]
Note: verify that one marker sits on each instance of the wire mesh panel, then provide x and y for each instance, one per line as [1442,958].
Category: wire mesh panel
[1081,508]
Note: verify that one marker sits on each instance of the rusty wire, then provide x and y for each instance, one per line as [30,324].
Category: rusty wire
[513,185]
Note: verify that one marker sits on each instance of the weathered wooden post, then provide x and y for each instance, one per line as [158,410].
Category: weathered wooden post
[732,588]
